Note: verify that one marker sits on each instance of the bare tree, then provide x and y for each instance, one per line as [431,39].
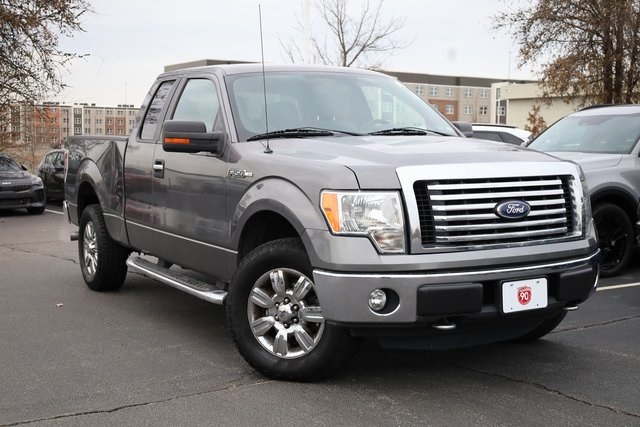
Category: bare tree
[587,50]
[30,55]
[348,39]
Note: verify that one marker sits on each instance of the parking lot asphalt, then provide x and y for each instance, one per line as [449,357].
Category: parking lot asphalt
[151,355]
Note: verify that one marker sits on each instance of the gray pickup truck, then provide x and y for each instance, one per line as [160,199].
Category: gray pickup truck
[322,205]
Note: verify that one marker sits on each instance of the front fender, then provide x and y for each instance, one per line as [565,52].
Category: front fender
[281,197]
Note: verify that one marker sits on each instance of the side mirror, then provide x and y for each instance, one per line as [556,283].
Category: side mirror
[181,136]
[23,167]
[465,128]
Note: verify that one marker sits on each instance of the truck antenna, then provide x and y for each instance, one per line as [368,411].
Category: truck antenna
[268,149]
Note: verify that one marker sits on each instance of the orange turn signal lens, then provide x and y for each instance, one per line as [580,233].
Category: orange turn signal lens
[329,202]
[177,140]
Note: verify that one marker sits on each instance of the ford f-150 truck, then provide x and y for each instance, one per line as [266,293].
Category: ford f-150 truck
[322,205]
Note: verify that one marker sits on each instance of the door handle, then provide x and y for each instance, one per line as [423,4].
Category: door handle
[158,168]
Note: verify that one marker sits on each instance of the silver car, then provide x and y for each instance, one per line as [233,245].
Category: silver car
[604,141]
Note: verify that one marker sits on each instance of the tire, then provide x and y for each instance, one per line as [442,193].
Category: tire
[615,238]
[289,339]
[542,329]
[102,260]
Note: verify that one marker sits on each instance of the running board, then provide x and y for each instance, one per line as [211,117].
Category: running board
[188,284]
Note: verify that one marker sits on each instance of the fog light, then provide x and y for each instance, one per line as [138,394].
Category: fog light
[377,300]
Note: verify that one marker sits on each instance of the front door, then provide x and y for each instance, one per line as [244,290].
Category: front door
[189,194]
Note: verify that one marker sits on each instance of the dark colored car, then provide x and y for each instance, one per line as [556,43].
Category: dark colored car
[604,141]
[51,171]
[19,188]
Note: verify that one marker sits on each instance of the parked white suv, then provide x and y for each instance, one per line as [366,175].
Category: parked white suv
[500,133]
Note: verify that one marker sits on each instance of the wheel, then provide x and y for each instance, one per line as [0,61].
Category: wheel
[275,317]
[615,238]
[542,329]
[102,260]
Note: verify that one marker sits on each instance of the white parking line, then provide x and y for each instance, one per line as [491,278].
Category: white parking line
[626,285]
[55,212]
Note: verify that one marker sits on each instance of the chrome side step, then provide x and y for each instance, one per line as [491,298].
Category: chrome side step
[188,284]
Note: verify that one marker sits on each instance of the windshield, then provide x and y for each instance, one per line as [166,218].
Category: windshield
[7,164]
[614,134]
[340,102]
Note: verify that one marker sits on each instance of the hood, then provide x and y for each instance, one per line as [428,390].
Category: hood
[590,161]
[374,159]
[14,175]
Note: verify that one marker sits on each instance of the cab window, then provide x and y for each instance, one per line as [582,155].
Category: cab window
[199,102]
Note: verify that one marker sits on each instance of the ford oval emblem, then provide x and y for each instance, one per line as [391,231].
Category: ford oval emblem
[513,209]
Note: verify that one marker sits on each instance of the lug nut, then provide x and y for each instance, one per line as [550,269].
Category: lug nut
[296,308]
[277,304]
[286,325]
[295,320]
[286,300]
[277,318]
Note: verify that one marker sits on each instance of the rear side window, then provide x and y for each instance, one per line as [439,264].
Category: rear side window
[155,108]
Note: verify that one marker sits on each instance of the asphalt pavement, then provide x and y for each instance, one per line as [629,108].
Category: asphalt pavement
[149,355]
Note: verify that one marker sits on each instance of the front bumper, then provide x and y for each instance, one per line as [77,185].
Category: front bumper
[460,295]
[28,198]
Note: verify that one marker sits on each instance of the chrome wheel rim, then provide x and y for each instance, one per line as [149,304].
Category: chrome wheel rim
[90,248]
[284,313]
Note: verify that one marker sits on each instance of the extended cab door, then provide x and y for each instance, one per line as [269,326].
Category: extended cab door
[189,188]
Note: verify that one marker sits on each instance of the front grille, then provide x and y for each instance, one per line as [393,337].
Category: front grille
[15,188]
[458,213]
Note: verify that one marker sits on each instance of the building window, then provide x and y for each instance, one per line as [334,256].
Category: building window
[420,90]
[484,93]
[498,93]
[54,139]
[502,111]
[119,122]
[109,131]
[99,112]
[483,110]
[433,90]
[435,107]
[98,121]
[64,120]
[87,121]
[132,112]
[468,92]
[468,110]
[109,121]
[131,122]
[120,132]
[109,113]
[78,121]
[450,92]
[87,131]
[448,109]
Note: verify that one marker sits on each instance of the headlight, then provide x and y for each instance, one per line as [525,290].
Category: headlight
[377,215]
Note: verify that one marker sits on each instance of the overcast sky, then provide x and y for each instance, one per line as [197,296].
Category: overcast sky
[130,41]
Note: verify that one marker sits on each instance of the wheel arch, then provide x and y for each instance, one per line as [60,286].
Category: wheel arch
[269,210]
[618,197]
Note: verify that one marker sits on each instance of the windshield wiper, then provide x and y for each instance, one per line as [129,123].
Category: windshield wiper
[291,133]
[408,131]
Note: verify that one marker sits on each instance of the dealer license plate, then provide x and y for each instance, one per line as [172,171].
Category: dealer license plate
[521,295]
